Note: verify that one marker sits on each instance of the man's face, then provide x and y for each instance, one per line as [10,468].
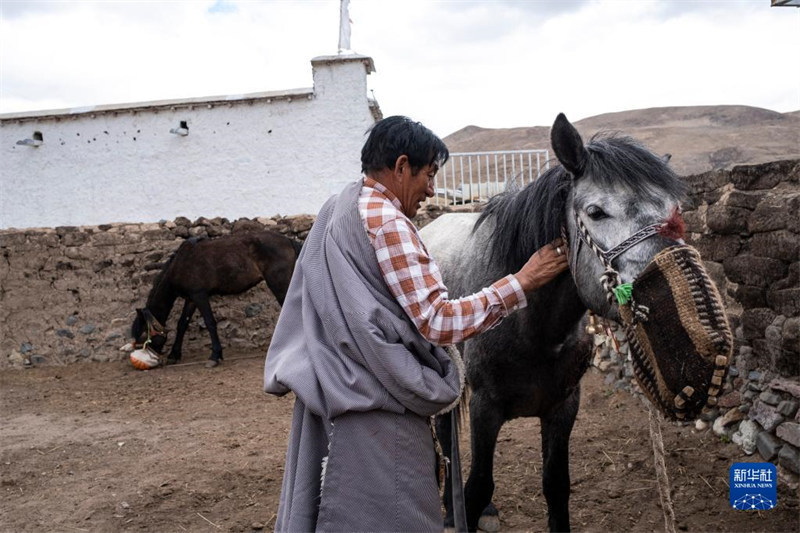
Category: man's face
[415,188]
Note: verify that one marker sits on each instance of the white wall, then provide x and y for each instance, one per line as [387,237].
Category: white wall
[255,155]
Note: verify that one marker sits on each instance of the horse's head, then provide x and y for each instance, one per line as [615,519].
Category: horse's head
[147,330]
[623,223]
[619,190]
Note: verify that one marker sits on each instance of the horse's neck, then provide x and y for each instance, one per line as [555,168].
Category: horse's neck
[160,303]
[557,307]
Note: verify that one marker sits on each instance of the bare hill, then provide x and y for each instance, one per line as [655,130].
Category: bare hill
[700,138]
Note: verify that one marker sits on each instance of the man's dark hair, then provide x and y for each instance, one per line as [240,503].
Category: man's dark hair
[395,136]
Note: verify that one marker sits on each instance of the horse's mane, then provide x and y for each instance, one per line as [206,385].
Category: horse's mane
[159,279]
[528,219]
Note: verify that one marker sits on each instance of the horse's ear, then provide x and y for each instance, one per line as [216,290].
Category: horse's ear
[568,145]
[665,158]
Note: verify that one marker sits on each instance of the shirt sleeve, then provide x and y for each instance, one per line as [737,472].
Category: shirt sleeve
[416,282]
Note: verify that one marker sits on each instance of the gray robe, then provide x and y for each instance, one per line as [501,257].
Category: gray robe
[365,382]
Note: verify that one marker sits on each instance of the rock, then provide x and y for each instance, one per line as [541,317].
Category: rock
[723,219]
[785,301]
[718,247]
[65,333]
[768,446]
[257,526]
[792,386]
[72,320]
[301,223]
[754,375]
[755,321]
[790,432]
[728,419]
[17,359]
[771,213]
[732,399]
[789,458]
[788,408]
[791,334]
[700,425]
[766,415]
[245,224]
[759,177]
[749,296]
[783,245]
[746,436]
[87,329]
[746,199]
[754,270]
[769,397]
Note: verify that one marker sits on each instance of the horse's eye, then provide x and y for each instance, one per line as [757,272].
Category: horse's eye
[596,213]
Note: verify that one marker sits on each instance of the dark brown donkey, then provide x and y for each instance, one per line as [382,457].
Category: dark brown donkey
[201,268]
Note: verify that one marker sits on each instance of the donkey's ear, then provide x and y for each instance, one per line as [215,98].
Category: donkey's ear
[568,145]
[665,158]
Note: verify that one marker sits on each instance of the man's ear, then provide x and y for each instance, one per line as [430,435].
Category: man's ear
[401,165]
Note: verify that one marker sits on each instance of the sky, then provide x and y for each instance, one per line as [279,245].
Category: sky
[446,63]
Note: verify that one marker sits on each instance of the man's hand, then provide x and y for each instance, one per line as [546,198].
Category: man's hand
[548,262]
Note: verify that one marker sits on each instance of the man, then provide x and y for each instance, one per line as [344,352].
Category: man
[359,343]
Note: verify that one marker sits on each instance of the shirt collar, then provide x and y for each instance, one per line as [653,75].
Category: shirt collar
[383,191]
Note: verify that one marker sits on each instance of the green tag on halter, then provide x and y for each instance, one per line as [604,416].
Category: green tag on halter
[623,293]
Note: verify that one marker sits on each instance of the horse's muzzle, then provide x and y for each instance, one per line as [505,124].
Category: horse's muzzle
[680,339]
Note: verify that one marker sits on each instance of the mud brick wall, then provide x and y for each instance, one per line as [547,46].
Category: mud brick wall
[746,224]
[69,294]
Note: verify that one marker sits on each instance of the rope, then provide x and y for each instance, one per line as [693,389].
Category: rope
[205,360]
[617,293]
[661,471]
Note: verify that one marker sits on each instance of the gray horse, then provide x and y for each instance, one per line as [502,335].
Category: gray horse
[532,363]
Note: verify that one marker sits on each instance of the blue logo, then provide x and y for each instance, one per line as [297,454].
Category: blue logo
[754,486]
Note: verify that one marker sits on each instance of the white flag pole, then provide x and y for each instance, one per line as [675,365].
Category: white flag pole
[344,26]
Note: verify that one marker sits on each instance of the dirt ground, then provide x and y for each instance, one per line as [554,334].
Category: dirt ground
[103,447]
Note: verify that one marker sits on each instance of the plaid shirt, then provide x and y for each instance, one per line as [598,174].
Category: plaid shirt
[416,282]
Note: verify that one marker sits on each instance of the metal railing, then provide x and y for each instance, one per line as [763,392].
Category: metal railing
[470,177]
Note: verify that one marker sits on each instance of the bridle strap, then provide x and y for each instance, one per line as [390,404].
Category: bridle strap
[608,256]
[611,278]
[154,328]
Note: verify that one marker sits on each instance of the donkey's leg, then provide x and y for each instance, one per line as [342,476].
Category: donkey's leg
[486,418]
[556,429]
[211,325]
[183,323]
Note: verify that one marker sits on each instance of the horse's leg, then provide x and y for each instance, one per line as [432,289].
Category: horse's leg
[556,429]
[486,419]
[183,324]
[443,433]
[211,325]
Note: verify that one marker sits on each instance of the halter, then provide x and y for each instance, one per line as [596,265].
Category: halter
[154,328]
[616,292]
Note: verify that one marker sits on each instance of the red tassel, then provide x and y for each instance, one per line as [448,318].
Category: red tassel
[674,227]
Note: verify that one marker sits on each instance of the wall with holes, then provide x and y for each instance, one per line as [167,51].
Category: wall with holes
[242,156]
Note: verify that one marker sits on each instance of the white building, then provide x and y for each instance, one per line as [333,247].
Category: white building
[249,155]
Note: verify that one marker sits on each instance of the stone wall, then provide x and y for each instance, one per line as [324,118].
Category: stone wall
[69,294]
